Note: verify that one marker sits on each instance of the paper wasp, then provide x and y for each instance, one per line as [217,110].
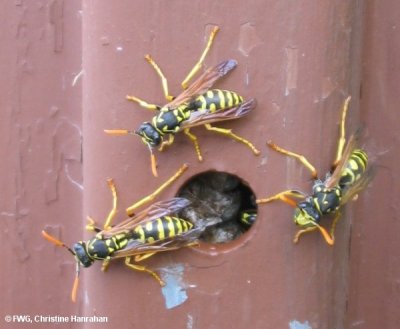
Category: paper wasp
[248,217]
[349,175]
[197,105]
[153,230]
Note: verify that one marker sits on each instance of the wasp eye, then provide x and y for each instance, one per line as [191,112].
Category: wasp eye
[306,215]
[149,134]
[81,254]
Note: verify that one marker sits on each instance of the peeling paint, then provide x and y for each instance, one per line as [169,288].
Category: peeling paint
[298,325]
[174,290]
[248,39]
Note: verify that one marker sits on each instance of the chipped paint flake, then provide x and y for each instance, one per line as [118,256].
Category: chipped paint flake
[298,325]
[174,290]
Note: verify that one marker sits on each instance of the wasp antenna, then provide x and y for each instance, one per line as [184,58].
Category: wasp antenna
[153,163]
[117,132]
[74,291]
[56,242]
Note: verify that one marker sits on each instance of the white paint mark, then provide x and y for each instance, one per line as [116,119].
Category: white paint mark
[291,69]
[73,181]
[357,323]
[77,77]
[174,290]
[298,325]
[7,214]
[119,48]
[189,323]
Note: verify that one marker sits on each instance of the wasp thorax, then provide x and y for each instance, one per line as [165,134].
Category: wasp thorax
[149,134]
[82,255]
[306,215]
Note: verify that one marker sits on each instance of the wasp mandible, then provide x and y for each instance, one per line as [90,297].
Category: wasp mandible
[197,105]
[153,230]
[349,175]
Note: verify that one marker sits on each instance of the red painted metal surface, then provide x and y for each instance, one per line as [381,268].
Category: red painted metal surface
[66,68]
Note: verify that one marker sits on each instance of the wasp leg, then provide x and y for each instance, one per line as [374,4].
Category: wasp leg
[143,269]
[91,225]
[197,66]
[139,258]
[300,232]
[167,143]
[229,133]
[193,138]
[329,240]
[299,157]
[142,103]
[285,196]
[105,265]
[334,223]
[151,196]
[113,211]
[164,81]
[342,134]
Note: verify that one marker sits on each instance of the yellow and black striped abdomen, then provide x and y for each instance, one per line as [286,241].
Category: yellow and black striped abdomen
[214,100]
[160,229]
[353,170]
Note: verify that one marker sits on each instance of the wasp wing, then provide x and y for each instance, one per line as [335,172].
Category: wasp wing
[199,118]
[184,239]
[156,210]
[359,185]
[333,180]
[135,247]
[203,83]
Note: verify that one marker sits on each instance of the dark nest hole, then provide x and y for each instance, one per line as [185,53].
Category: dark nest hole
[221,202]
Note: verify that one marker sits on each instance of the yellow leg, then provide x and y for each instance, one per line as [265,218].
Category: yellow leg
[164,81]
[139,258]
[105,265]
[143,269]
[167,143]
[193,138]
[329,240]
[334,223]
[299,157]
[142,103]
[91,226]
[342,134]
[153,195]
[229,133]
[197,66]
[300,232]
[113,211]
[284,196]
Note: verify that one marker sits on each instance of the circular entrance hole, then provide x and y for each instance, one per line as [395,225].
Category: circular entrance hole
[222,202]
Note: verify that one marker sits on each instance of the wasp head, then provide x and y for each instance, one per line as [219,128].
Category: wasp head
[81,254]
[150,136]
[306,215]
